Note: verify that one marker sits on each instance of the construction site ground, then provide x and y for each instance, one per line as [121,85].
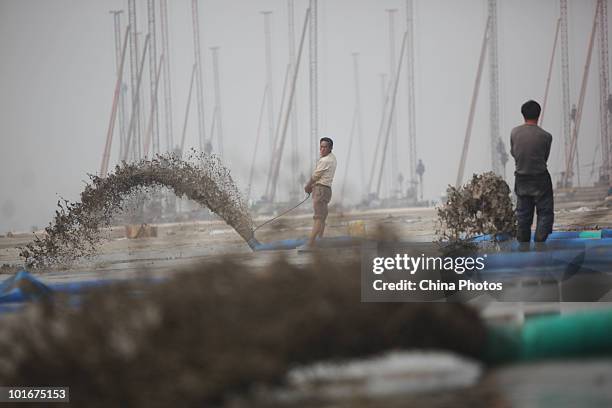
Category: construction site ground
[178,245]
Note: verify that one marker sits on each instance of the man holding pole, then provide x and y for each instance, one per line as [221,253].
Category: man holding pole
[320,186]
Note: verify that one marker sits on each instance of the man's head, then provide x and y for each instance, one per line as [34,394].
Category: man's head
[531,111]
[325,146]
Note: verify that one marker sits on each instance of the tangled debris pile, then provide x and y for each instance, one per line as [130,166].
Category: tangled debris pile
[482,206]
[75,230]
[216,331]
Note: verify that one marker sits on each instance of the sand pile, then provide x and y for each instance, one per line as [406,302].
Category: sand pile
[481,206]
[216,332]
[75,230]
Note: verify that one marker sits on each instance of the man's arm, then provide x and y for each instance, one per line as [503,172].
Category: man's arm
[548,145]
[322,166]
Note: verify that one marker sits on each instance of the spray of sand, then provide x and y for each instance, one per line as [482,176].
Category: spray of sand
[481,206]
[76,228]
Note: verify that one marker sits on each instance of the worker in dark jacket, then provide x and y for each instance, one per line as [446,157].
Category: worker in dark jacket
[530,147]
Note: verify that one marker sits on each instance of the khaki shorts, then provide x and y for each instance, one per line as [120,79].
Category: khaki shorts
[321,196]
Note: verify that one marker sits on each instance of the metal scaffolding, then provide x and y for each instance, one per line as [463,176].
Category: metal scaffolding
[199,78]
[217,117]
[393,123]
[496,163]
[163,14]
[154,120]
[411,94]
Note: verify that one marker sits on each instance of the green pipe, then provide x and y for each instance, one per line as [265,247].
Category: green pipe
[582,334]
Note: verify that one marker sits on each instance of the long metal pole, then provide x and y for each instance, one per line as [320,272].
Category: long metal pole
[257,138]
[289,105]
[604,92]
[565,83]
[153,113]
[111,124]
[393,123]
[152,76]
[468,131]
[184,134]
[314,83]
[163,13]
[384,103]
[585,78]
[496,164]
[133,72]
[118,55]
[199,78]
[218,112]
[131,137]
[550,67]
[295,156]
[393,103]
[411,91]
[359,122]
[269,82]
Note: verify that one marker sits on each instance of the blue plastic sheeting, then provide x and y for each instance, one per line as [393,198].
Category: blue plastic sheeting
[555,235]
[23,286]
[558,244]
[333,242]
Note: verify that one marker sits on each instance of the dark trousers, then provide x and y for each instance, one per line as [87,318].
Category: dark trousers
[534,192]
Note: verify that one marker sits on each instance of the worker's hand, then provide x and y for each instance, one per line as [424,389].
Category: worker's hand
[308,188]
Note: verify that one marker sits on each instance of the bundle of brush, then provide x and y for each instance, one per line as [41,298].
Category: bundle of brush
[75,230]
[481,206]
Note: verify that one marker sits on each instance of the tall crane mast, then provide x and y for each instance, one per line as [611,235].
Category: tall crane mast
[411,95]
[135,148]
[295,155]
[565,81]
[269,78]
[199,78]
[117,29]
[153,75]
[392,63]
[217,112]
[314,82]
[163,15]
[496,162]
[604,93]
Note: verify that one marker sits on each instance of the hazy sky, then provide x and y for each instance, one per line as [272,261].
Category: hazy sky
[57,74]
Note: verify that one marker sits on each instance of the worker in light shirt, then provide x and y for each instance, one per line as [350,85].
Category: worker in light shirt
[320,186]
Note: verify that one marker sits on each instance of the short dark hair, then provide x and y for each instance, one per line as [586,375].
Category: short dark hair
[328,140]
[531,110]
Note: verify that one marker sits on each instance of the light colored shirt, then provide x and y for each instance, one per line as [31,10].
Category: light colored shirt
[325,170]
